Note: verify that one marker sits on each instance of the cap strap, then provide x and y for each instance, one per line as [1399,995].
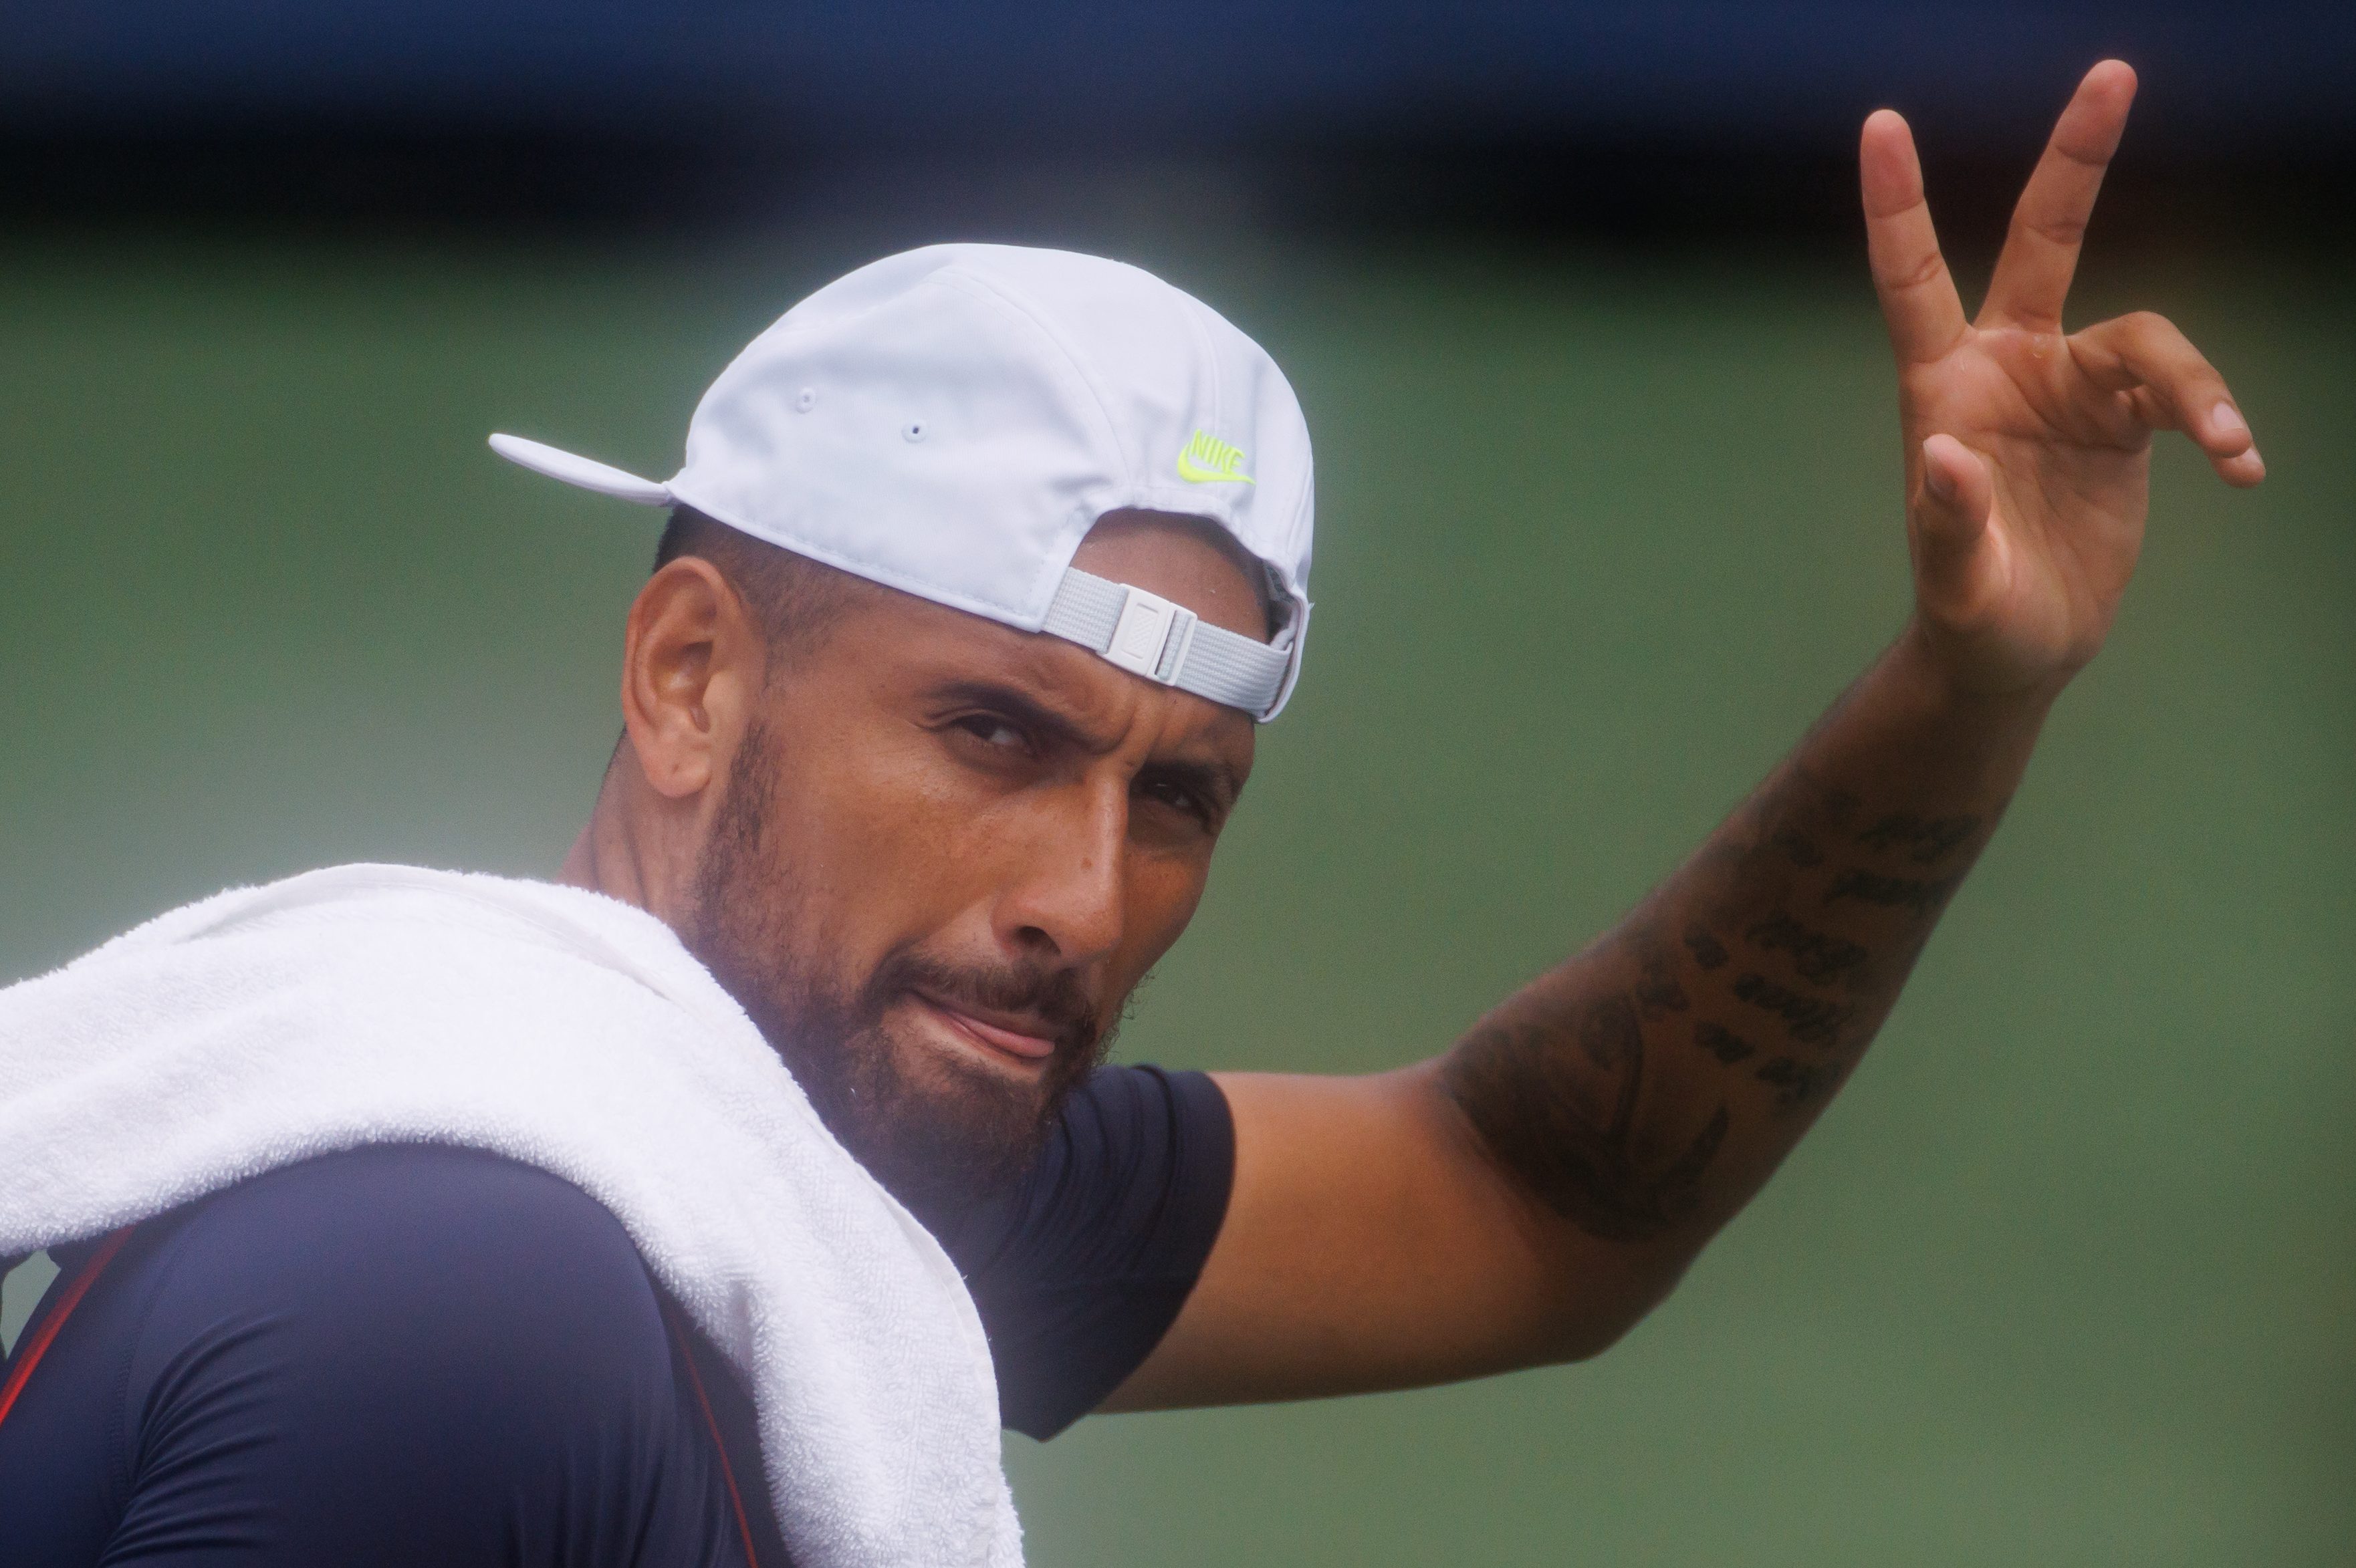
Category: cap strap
[1149,636]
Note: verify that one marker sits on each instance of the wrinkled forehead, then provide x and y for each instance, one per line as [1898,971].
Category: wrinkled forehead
[1190,561]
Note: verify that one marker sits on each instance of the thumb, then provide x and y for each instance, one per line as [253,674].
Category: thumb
[1951,514]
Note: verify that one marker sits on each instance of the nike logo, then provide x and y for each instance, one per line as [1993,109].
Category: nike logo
[1209,461]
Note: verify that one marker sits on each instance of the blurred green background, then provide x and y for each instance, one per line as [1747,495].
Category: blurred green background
[2067,1276]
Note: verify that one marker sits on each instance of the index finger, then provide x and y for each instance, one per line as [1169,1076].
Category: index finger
[2040,249]
[1918,296]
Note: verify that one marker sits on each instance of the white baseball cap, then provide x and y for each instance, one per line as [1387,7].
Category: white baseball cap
[952,420]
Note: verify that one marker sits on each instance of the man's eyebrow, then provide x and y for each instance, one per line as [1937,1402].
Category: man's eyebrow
[1024,709]
[1214,782]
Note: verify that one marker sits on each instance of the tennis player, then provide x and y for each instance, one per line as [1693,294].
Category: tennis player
[983,571]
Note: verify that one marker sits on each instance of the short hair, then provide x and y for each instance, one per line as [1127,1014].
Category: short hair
[794,600]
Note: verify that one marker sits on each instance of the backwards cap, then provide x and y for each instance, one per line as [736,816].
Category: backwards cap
[951,422]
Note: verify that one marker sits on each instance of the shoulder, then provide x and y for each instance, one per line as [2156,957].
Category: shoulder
[422,1302]
[390,1259]
[430,1350]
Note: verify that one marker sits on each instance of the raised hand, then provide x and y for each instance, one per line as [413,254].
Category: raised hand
[2029,451]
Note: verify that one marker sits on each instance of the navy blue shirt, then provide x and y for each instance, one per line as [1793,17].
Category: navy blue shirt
[411,1355]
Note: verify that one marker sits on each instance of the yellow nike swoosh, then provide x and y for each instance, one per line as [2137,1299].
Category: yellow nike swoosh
[1208,461]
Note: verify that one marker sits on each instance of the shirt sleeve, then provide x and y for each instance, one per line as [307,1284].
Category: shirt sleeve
[406,1356]
[1078,1270]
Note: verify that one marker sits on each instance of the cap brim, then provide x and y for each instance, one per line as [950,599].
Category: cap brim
[584,471]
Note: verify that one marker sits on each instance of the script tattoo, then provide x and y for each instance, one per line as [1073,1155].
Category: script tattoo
[1802,852]
[1926,841]
[1811,1020]
[1658,991]
[1818,958]
[1797,1082]
[1706,950]
[1893,892]
[1722,1042]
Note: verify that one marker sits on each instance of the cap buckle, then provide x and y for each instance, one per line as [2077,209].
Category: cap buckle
[1151,635]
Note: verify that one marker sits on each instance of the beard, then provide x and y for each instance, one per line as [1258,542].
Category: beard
[939,1134]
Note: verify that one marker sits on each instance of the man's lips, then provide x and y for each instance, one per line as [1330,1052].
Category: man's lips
[996,1036]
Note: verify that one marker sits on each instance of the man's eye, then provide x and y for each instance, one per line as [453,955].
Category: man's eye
[992,731]
[1178,798]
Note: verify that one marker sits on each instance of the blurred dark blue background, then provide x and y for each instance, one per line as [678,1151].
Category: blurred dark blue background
[1211,73]
[1378,110]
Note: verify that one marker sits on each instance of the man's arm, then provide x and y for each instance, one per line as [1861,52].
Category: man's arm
[1528,1196]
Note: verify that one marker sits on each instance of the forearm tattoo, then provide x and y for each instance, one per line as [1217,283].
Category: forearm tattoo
[1734,1001]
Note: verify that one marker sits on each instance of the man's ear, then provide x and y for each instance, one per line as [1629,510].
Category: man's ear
[691,662]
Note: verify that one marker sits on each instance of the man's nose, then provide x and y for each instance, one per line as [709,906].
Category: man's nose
[1064,899]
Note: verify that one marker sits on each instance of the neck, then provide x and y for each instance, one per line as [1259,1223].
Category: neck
[580,867]
[620,852]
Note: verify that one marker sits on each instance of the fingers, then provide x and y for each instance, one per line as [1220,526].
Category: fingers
[1918,297]
[1958,496]
[2041,250]
[2172,387]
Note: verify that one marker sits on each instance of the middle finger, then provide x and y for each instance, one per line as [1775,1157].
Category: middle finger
[2041,250]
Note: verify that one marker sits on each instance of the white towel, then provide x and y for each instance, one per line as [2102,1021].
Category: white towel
[569,1031]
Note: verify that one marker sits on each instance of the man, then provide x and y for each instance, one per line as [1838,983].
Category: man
[928,807]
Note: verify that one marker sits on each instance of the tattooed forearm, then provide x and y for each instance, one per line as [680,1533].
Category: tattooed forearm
[1723,1043]
[1811,1020]
[1799,851]
[1798,1083]
[1897,892]
[1927,842]
[1706,950]
[1657,990]
[1820,958]
[1651,1082]
[1566,1122]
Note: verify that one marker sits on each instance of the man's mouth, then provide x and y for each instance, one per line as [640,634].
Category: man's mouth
[1004,1035]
